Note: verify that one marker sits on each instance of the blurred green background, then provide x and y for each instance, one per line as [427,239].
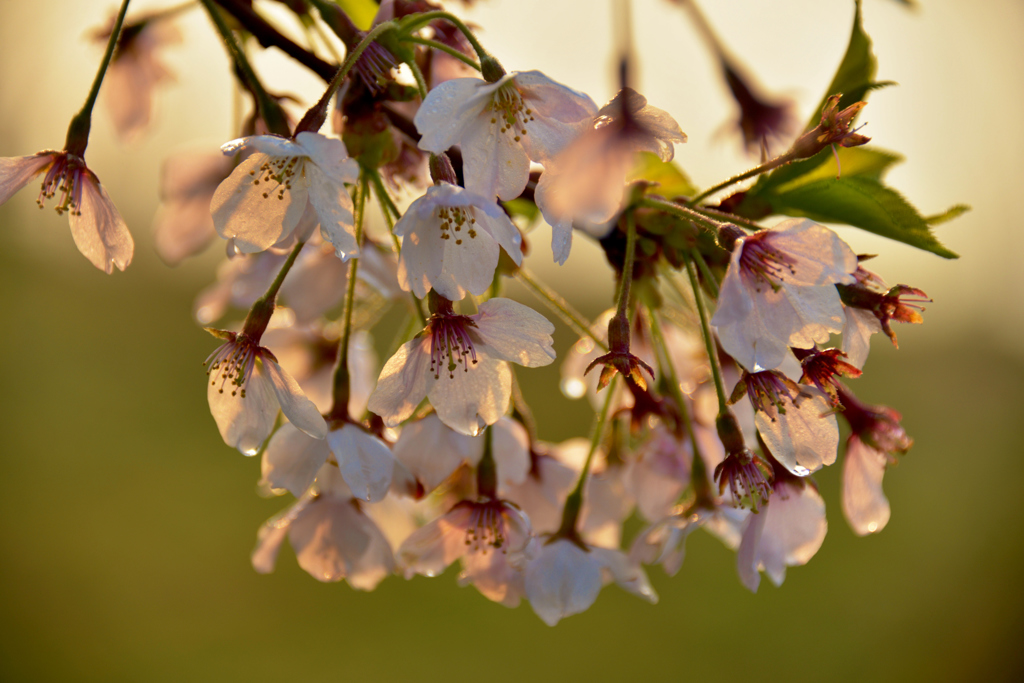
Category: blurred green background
[127,524]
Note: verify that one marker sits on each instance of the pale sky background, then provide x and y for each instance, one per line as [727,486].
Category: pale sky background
[954,116]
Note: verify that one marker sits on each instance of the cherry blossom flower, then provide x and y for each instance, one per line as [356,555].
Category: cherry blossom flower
[778,292]
[491,537]
[183,225]
[788,531]
[333,537]
[262,200]
[587,180]
[451,239]
[135,71]
[96,225]
[502,126]
[292,459]
[797,422]
[247,388]
[477,394]
[566,576]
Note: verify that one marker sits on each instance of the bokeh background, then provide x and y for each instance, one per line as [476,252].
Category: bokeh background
[127,524]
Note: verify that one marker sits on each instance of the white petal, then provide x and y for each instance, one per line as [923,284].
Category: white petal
[473,398]
[430,549]
[446,111]
[330,156]
[860,325]
[559,114]
[626,573]
[271,535]
[432,451]
[748,560]
[334,208]
[820,256]
[99,231]
[271,145]
[503,231]
[254,222]
[16,172]
[299,410]
[864,503]
[511,451]
[292,460]
[495,163]
[515,333]
[805,437]
[364,460]
[244,423]
[786,533]
[563,580]
[403,382]
[333,540]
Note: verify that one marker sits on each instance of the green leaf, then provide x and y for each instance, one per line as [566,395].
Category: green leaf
[862,202]
[947,215]
[361,12]
[672,180]
[856,73]
[865,161]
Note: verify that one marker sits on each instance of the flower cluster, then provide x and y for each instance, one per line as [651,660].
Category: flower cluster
[718,396]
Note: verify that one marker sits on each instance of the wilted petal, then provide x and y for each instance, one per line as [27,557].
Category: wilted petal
[864,503]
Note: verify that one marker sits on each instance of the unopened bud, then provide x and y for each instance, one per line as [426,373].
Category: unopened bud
[491,69]
[441,170]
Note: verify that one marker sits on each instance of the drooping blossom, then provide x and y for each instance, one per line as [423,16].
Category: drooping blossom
[796,422]
[263,199]
[492,539]
[183,226]
[96,225]
[502,126]
[877,438]
[451,239]
[135,71]
[566,576]
[333,537]
[246,389]
[787,532]
[779,292]
[587,180]
[460,363]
